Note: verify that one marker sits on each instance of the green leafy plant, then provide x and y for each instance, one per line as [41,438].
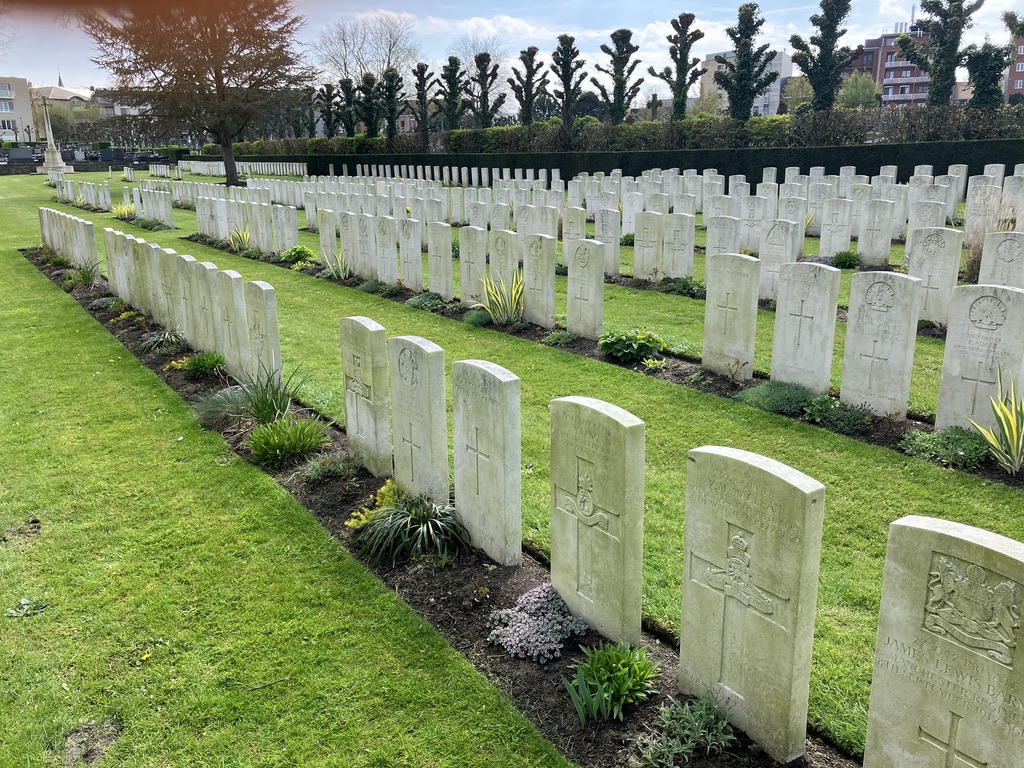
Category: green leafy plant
[954,447]
[1006,439]
[388,495]
[777,397]
[838,417]
[536,627]
[261,399]
[223,409]
[630,346]
[185,205]
[559,338]
[428,301]
[628,240]
[286,441]
[123,211]
[654,364]
[344,467]
[166,342]
[253,253]
[84,276]
[413,527]
[58,261]
[205,365]
[372,286]
[698,728]
[299,266]
[684,286]
[80,202]
[151,224]
[298,253]
[239,240]
[846,260]
[610,678]
[477,318]
[126,315]
[26,608]
[503,303]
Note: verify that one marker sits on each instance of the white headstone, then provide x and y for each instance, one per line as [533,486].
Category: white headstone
[539,262]
[935,259]
[364,365]
[585,301]
[439,259]
[805,325]
[730,314]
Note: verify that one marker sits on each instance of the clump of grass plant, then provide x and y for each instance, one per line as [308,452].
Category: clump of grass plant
[780,397]
[536,627]
[846,260]
[83,276]
[428,301]
[205,365]
[344,467]
[505,304]
[262,398]
[151,224]
[286,441]
[163,341]
[412,528]
[123,211]
[696,729]
[57,261]
[610,678]
[478,318]
[954,447]
[239,240]
[838,417]
[559,339]
[1006,439]
[371,286]
[630,346]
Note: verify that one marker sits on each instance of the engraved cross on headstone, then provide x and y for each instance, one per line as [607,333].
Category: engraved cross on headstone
[477,454]
[949,747]
[873,357]
[355,384]
[726,309]
[581,299]
[801,317]
[977,380]
[579,504]
[928,288]
[413,447]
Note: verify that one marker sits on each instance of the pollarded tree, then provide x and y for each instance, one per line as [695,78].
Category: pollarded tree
[686,70]
[620,70]
[824,68]
[985,65]
[392,99]
[529,84]
[368,106]
[565,66]
[451,98]
[216,67]
[326,100]
[747,74]
[479,89]
[421,108]
[347,96]
[941,54]
[1014,24]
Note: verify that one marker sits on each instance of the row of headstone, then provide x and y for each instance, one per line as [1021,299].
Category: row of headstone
[397,386]
[96,196]
[203,167]
[155,205]
[69,236]
[272,228]
[215,310]
[128,174]
[264,168]
[464,176]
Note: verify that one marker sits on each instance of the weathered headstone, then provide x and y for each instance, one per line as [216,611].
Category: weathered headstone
[805,325]
[264,339]
[778,246]
[881,330]
[411,253]
[607,231]
[597,513]
[874,240]
[364,365]
[648,258]
[677,244]
[504,256]
[418,416]
[585,302]
[439,259]
[730,314]
[935,258]
[723,235]
[947,681]
[488,474]
[1002,260]
[539,262]
[750,585]
[472,264]
[836,215]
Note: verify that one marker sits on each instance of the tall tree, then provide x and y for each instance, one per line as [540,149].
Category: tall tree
[479,89]
[392,99]
[217,66]
[985,66]
[8,32]
[451,98]
[368,106]
[859,90]
[686,70]
[422,107]
[824,68]
[565,66]
[368,43]
[620,70]
[747,74]
[347,96]
[529,84]
[941,54]
[326,100]
[1014,24]
[306,106]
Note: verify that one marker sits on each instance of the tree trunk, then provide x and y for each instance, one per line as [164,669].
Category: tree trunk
[228,152]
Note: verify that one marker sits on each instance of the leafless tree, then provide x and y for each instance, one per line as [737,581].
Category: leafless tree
[368,43]
[466,47]
[8,32]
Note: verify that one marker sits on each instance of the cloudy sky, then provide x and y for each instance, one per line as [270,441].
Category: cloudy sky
[47,42]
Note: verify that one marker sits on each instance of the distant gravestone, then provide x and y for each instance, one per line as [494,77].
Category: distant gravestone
[837,215]
[677,244]
[923,213]
[947,681]
[597,513]
[874,241]
[472,264]
[387,250]
[723,235]
[778,246]
[411,254]
[504,256]
[881,331]
[986,325]
[234,337]
[574,224]
[607,231]
[488,473]
[439,259]
[585,300]
[364,365]
[750,584]
[648,258]
[539,262]
[1002,260]
[730,315]
[418,416]
[805,325]
[935,258]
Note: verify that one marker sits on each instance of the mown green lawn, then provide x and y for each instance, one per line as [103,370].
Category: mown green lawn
[867,487]
[190,597]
